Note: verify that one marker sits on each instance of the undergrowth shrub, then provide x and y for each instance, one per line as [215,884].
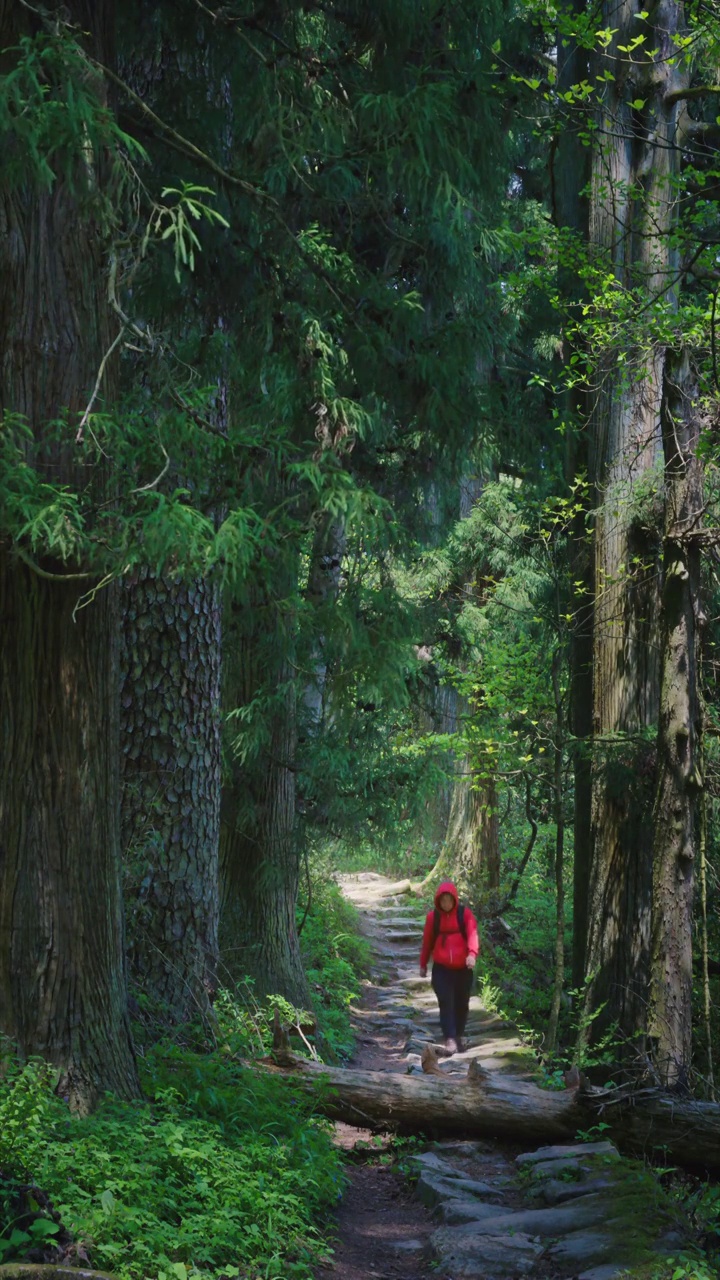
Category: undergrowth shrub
[221,1172]
[516,968]
[336,957]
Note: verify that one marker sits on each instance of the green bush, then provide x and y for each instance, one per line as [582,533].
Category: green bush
[336,957]
[221,1173]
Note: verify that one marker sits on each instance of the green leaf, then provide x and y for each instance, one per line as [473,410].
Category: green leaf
[107,1200]
[43,1228]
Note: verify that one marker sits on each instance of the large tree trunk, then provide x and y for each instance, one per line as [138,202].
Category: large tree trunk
[570,174]
[322,591]
[471,850]
[630,223]
[559,815]
[170,737]
[171,631]
[62,978]
[260,855]
[675,835]
[496,1105]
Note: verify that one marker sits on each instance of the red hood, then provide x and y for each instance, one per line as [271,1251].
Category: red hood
[447,886]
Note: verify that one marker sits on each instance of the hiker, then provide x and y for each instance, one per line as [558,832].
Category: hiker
[451,938]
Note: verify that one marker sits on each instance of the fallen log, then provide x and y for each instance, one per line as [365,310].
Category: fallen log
[50,1271]
[397,888]
[490,1104]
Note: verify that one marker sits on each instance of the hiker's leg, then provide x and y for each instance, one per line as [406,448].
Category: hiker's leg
[444,988]
[463,984]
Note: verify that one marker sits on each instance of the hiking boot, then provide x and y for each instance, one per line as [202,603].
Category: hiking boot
[461,1044]
[451,1046]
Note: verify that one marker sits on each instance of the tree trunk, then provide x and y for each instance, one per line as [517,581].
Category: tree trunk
[171,629]
[260,855]
[630,222]
[675,836]
[170,737]
[559,814]
[471,849]
[62,976]
[570,174]
[493,1105]
[322,591]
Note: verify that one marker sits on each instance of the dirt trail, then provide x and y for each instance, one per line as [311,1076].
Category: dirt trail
[383,1227]
[478,1210]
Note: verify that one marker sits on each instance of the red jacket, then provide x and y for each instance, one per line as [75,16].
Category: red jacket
[451,948]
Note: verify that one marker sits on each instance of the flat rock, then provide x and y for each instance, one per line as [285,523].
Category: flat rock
[429,1162]
[607,1271]
[464,1150]
[574,1151]
[588,1248]
[553,1168]
[433,1189]
[406,1246]
[554,1192]
[460,1212]
[483,1257]
[557,1221]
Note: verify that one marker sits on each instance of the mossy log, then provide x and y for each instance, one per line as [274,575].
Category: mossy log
[488,1104]
[49,1271]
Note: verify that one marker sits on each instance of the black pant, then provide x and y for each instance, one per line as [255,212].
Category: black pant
[452,988]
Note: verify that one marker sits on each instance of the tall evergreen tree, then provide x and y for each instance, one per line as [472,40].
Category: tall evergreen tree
[62,973]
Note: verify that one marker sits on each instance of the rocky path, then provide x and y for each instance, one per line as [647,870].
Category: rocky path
[475,1210]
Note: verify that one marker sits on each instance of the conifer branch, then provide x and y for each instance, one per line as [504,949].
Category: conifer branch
[46,574]
[96,388]
[184,144]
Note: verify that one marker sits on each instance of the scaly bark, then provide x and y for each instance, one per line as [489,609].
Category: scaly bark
[62,977]
[170,737]
[259,849]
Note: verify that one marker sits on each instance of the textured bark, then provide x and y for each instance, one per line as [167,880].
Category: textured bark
[170,738]
[171,631]
[322,591]
[496,1105]
[675,837]
[570,173]
[471,851]
[259,848]
[62,979]
[630,221]
[439,713]
[559,815]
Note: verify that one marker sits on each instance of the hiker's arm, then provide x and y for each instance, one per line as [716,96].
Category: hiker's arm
[473,941]
[427,944]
